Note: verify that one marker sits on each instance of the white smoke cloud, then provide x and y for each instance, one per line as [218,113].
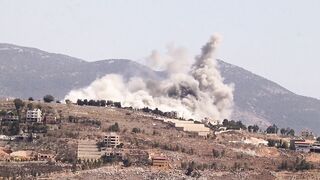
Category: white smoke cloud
[176,60]
[195,91]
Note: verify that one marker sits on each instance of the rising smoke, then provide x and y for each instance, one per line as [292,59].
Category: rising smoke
[195,91]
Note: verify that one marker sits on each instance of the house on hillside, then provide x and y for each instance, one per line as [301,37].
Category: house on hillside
[315,148]
[111,140]
[10,117]
[46,156]
[302,147]
[160,161]
[113,152]
[50,119]
[306,134]
[34,116]
[137,156]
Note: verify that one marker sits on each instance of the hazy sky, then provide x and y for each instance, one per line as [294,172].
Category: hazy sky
[278,39]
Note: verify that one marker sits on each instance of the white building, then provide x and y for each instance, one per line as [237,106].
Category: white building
[189,126]
[111,140]
[34,115]
[302,147]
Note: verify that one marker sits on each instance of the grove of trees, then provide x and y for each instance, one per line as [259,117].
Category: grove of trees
[233,124]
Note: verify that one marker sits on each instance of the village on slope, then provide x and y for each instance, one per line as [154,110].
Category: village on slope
[101,139]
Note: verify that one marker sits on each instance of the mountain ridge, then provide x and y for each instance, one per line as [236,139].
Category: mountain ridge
[30,72]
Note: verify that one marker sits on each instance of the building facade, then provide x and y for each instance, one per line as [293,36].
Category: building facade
[34,115]
[9,118]
[302,147]
[160,162]
[111,140]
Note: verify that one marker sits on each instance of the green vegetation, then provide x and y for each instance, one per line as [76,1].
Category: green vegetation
[298,165]
[233,124]
[19,104]
[218,154]
[48,98]
[101,103]
[37,128]
[110,159]
[10,129]
[30,106]
[114,128]
[272,129]
[3,112]
[90,122]
[254,128]
[278,143]
[126,162]
[136,130]
[287,131]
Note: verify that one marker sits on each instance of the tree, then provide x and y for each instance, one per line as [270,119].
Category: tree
[126,162]
[85,102]
[30,106]
[18,103]
[103,103]
[272,129]
[79,102]
[225,122]
[114,128]
[68,101]
[48,98]
[3,112]
[136,130]
[117,104]
[255,128]
[283,131]
[318,139]
[91,102]
[291,132]
[30,99]
[271,142]
[109,103]
[216,153]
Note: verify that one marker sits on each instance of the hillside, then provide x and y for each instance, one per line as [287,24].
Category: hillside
[228,154]
[29,72]
[269,102]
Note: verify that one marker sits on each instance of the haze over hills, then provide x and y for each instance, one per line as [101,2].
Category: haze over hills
[29,72]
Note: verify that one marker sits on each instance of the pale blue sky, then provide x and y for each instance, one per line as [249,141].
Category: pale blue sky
[278,39]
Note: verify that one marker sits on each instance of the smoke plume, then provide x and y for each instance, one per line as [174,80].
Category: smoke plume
[195,91]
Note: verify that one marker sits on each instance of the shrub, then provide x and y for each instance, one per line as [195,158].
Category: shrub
[297,165]
[114,128]
[48,98]
[136,130]
[215,153]
[126,162]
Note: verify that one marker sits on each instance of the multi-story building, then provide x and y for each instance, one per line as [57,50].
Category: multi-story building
[111,140]
[306,134]
[34,115]
[10,117]
[302,147]
[160,162]
[50,119]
